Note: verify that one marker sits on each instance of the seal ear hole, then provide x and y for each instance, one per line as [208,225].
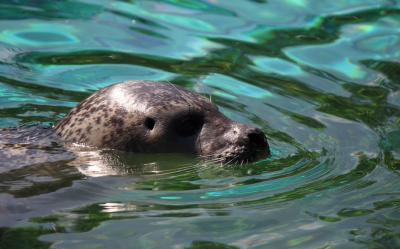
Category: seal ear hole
[149,123]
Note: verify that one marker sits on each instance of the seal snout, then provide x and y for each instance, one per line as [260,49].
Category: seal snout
[256,137]
[254,140]
[243,144]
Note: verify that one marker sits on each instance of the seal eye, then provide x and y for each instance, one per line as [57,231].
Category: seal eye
[188,127]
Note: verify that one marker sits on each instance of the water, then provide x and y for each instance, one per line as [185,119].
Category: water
[320,78]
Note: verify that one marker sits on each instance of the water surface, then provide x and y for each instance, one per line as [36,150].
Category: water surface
[319,77]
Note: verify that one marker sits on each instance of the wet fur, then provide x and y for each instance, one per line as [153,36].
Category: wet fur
[115,118]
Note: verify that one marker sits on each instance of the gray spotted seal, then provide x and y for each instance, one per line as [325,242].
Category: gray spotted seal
[155,117]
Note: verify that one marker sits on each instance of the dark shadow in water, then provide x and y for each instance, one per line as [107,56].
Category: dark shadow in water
[39,179]
[25,237]
[197,244]
[389,68]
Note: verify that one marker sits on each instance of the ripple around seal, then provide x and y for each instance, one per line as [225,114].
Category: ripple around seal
[304,178]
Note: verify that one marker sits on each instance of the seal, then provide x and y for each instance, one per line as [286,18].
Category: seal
[155,117]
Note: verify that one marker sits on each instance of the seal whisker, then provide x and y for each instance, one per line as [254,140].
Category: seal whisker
[222,161]
[232,159]
[212,159]
[204,93]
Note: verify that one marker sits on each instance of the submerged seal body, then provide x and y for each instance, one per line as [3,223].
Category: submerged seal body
[154,117]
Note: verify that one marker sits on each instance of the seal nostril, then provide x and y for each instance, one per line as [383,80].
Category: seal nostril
[256,138]
[149,123]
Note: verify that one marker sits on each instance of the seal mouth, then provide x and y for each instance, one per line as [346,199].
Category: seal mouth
[241,155]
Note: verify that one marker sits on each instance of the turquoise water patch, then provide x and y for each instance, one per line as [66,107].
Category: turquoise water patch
[385,44]
[235,87]
[38,34]
[275,65]
[333,60]
[43,37]
[91,78]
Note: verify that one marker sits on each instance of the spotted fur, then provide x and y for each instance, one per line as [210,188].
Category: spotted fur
[115,118]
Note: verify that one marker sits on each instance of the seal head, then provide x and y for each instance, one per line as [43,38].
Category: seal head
[154,117]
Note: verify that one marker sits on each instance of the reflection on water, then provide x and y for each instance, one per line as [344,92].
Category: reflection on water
[320,78]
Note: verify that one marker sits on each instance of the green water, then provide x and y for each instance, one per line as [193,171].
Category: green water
[321,78]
